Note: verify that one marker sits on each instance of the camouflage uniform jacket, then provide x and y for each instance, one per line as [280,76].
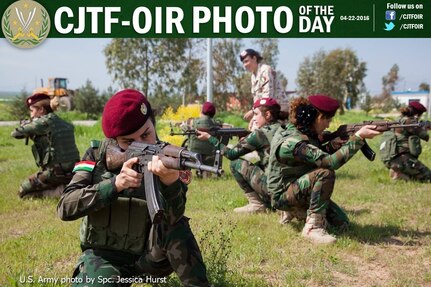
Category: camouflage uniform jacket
[264,83]
[197,145]
[54,141]
[294,154]
[121,217]
[402,135]
[259,140]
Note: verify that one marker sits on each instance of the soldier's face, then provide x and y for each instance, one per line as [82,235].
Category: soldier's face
[259,118]
[321,124]
[146,134]
[250,64]
[36,112]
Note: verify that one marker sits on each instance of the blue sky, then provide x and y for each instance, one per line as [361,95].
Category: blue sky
[82,59]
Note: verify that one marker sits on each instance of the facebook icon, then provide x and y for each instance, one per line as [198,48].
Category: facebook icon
[390,15]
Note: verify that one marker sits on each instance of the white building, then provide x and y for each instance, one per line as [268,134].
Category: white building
[406,97]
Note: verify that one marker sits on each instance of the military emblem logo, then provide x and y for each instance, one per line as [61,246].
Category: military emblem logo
[144,109]
[25,24]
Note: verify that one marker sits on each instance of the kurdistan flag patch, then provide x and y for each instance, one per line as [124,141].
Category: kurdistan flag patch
[84,165]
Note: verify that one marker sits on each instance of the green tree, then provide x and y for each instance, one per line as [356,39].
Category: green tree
[18,108]
[268,48]
[366,104]
[337,73]
[230,78]
[87,100]
[389,82]
[424,87]
[164,69]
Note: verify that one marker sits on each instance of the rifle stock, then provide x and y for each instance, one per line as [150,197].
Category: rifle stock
[173,157]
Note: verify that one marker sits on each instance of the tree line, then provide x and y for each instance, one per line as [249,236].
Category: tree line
[172,72]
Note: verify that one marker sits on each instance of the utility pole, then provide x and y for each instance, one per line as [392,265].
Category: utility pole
[209,70]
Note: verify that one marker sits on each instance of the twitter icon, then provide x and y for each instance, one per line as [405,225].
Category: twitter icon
[389,26]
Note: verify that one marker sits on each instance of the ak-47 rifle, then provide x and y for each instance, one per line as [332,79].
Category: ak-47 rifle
[17,134]
[224,134]
[344,131]
[173,157]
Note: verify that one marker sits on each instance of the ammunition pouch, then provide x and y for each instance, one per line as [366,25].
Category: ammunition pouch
[123,226]
[415,147]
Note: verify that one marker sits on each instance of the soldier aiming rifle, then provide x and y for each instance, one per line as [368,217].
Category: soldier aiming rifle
[344,131]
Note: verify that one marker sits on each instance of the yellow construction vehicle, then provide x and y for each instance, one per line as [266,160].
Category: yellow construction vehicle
[61,97]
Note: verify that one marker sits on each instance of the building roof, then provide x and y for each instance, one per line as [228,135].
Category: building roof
[411,93]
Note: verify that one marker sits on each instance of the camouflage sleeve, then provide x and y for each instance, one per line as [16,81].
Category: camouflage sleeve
[39,126]
[418,131]
[248,144]
[82,196]
[305,152]
[174,200]
[268,88]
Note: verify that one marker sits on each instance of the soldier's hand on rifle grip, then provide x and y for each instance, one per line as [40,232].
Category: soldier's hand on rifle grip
[166,175]
[368,132]
[203,136]
[128,177]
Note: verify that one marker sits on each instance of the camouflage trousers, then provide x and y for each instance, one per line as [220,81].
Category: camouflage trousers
[312,193]
[174,249]
[411,167]
[42,182]
[251,178]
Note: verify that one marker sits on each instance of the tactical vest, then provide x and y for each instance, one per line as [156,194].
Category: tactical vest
[124,225]
[57,146]
[388,147]
[195,144]
[406,142]
[281,174]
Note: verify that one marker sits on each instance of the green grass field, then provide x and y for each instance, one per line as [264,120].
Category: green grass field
[388,244]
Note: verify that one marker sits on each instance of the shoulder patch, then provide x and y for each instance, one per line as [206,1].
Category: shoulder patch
[85,165]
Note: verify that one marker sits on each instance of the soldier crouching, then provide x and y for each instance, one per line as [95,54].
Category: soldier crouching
[54,149]
[301,171]
[118,240]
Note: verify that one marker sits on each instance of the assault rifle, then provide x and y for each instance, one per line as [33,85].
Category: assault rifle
[223,134]
[173,157]
[18,135]
[344,131]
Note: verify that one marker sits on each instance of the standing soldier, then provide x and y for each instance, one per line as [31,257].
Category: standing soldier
[264,83]
[206,122]
[251,177]
[117,238]
[301,171]
[401,148]
[54,149]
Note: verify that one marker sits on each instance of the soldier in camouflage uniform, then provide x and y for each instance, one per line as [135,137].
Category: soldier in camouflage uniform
[119,242]
[251,177]
[301,171]
[264,82]
[207,150]
[401,148]
[54,149]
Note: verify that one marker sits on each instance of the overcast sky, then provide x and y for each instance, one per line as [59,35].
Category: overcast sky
[82,59]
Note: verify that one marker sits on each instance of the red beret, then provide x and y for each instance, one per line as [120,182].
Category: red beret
[324,104]
[418,107]
[267,102]
[125,113]
[208,109]
[36,98]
